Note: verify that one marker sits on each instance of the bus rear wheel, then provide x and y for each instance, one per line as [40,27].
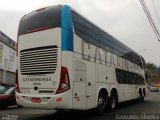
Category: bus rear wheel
[101,103]
[113,101]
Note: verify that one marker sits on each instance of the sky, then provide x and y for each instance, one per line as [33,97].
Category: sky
[123,19]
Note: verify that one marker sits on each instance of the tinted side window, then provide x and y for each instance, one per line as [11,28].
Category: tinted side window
[125,77]
[94,35]
[46,18]
[140,80]
[119,76]
[84,29]
[110,44]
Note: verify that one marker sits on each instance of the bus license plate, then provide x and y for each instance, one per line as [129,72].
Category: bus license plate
[25,91]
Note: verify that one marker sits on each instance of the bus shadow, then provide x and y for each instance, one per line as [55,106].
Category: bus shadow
[9,108]
[129,103]
[75,115]
[89,115]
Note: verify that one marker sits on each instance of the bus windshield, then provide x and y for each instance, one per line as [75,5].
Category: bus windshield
[41,19]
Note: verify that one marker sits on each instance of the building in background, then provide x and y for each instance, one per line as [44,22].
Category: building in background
[7,59]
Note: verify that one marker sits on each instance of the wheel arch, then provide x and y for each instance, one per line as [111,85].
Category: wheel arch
[104,90]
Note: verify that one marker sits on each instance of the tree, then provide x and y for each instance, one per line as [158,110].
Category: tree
[153,68]
[158,70]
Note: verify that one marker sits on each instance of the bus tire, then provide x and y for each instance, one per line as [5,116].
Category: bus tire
[141,97]
[144,92]
[113,101]
[101,103]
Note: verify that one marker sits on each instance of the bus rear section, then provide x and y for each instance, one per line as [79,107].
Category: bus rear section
[42,80]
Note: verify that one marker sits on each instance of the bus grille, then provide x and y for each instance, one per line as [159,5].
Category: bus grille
[39,60]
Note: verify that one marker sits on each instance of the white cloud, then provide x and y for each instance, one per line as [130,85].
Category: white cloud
[23,5]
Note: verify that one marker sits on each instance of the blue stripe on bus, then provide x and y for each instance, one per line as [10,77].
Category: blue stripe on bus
[67,29]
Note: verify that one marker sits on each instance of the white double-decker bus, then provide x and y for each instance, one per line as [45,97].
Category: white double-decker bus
[67,62]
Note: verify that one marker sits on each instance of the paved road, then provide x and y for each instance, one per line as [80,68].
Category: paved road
[150,109]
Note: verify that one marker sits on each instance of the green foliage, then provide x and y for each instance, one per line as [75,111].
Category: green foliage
[153,68]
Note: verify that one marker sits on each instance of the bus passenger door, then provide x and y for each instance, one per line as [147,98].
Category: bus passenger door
[80,86]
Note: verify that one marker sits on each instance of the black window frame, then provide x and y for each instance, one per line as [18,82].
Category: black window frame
[129,77]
